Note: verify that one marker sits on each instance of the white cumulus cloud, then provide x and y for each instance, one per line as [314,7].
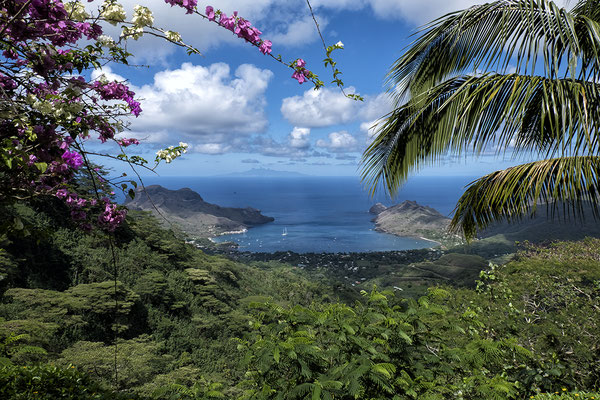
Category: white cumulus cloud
[299,138]
[328,107]
[339,142]
[376,106]
[299,32]
[319,108]
[369,128]
[108,73]
[206,105]
[210,148]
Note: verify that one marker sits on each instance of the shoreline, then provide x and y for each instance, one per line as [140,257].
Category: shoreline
[378,229]
[435,246]
[238,232]
[429,240]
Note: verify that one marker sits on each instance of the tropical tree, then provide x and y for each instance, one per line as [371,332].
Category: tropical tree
[51,106]
[517,77]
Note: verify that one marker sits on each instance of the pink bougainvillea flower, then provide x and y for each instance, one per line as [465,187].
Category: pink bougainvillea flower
[128,142]
[265,47]
[111,218]
[187,4]
[229,23]
[62,193]
[299,76]
[73,159]
[210,13]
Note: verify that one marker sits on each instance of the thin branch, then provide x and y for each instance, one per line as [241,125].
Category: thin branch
[15,17]
[323,40]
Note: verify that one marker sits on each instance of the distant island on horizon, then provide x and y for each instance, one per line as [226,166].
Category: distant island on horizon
[265,173]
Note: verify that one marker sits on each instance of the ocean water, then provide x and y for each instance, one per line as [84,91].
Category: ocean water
[318,214]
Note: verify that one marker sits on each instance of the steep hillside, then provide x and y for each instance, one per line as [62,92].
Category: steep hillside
[174,309]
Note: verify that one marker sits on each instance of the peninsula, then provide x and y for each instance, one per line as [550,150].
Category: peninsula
[189,212]
[413,220]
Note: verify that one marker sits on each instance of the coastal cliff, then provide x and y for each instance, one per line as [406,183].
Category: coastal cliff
[187,210]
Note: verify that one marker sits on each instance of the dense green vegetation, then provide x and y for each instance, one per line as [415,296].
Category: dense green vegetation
[173,308]
[187,325]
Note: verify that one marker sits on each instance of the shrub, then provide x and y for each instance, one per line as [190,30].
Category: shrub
[50,382]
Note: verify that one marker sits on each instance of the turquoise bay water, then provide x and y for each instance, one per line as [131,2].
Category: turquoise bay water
[319,214]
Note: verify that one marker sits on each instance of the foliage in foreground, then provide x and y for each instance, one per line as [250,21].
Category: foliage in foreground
[564,395]
[47,382]
[377,351]
[529,328]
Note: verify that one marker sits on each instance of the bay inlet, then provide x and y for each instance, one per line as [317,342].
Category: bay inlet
[317,214]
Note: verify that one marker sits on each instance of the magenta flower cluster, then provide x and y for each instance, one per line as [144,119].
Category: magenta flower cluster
[244,29]
[118,91]
[50,21]
[72,159]
[39,54]
[128,142]
[111,218]
[301,74]
[7,83]
[241,27]
[76,205]
[189,5]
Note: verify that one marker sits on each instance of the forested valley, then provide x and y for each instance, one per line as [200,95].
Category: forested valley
[143,314]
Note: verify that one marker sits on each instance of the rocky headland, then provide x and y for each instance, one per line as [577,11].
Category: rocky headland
[189,212]
[413,220]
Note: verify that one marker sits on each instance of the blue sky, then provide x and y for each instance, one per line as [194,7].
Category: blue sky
[239,109]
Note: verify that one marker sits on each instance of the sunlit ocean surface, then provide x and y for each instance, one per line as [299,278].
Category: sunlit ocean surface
[317,214]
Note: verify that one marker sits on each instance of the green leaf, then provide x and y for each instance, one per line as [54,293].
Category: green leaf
[41,166]
[18,223]
[564,183]
[316,394]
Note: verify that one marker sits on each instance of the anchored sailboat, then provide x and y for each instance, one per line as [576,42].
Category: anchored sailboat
[284,232]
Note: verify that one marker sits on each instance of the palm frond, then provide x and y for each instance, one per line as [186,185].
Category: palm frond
[511,113]
[513,193]
[587,8]
[497,36]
